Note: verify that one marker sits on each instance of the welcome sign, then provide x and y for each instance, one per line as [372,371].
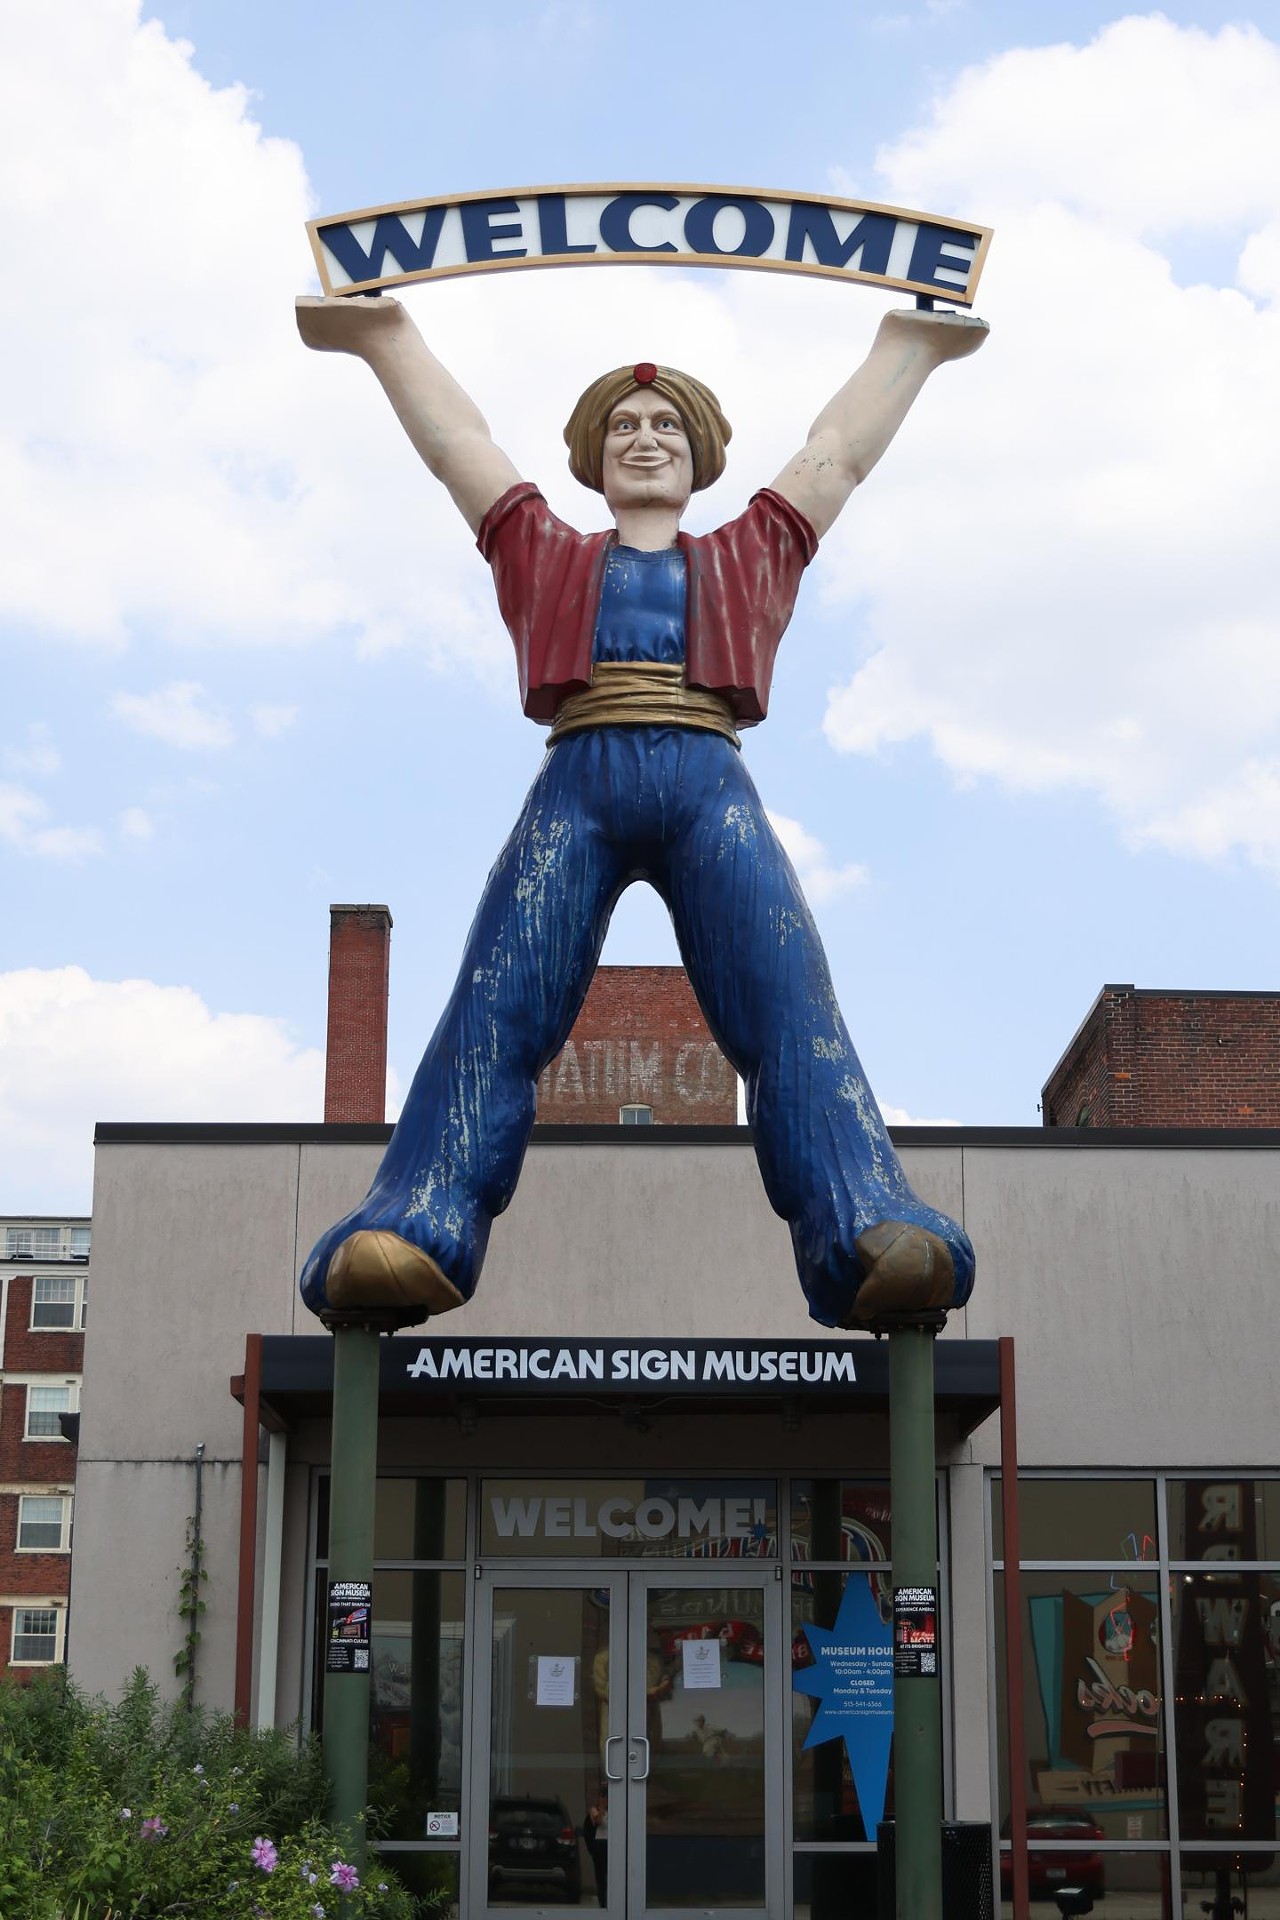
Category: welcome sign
[434,239]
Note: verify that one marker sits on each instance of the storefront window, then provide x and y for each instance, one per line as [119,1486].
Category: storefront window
[1226,1639]
[840,1520]
[415,1712]
[832,1886]
[1224,1518]
[414,1519]
[1212,1882]
[629,1519]
[1093,1713]
[1121,1886]
[1107,1520]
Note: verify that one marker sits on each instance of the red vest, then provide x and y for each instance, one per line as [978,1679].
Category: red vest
[742,584]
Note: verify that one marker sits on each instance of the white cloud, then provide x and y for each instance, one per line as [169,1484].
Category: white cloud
[1067,562]
[74,1050]
[136,824]
[272,721]
[23,817]
[181,715]
[39,756]
[899,1117]
[820,880]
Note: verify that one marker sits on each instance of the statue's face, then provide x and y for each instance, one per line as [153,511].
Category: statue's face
[647,459]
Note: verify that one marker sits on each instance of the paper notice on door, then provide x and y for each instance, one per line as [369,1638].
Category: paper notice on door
[701,1663]
[556,1676]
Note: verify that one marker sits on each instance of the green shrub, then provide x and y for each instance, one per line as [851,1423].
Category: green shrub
[141,1809]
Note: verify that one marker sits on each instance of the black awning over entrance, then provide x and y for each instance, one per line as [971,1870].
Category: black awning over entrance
[431,1375]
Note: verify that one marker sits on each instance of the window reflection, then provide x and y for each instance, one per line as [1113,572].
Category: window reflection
[1093,1712]
[1080,1519]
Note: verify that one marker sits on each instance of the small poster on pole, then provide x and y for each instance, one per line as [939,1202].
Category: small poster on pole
[915,1631]
[350,1626]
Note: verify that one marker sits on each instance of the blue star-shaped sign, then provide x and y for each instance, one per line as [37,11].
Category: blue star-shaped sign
[852,1679]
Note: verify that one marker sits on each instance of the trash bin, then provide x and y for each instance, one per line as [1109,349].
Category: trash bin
[968,1884]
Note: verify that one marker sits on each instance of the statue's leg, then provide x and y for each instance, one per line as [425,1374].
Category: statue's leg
[418,1238]
[756,962]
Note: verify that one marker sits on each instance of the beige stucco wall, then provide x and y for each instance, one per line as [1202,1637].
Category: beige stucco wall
[1135,1281]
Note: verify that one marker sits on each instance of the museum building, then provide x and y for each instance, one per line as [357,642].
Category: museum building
[634,1539]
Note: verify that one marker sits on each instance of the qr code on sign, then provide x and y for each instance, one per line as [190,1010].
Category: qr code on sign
[361,1659]
[928,1663]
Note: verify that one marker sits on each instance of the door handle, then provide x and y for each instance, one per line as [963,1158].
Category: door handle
[613,1740]
[638,1740]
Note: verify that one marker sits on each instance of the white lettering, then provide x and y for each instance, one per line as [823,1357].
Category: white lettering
[839,1366]
[538,1363]
[563,1366]
[655,1519]
[425,1363]
[455,1363]
[737,1519]
[1222,1803]
[620,1369]
[1223,1682]
[786,1366]
[556,1519]
[717,1366]
[654,1364]
[614,1520]
[1224,1745]
[591,1364]
[482,1363]
[582,1527]
[511,1517]
[1219,1509]
[504,1364]
[697,1516]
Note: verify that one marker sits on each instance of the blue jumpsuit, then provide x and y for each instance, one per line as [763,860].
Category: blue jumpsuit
[674,806]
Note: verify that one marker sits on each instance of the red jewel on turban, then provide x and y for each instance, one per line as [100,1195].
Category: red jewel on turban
[645,374]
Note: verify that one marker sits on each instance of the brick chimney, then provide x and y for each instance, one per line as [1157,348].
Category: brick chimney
[355,1070]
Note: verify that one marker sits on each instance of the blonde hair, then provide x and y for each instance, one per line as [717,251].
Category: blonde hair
[708,431]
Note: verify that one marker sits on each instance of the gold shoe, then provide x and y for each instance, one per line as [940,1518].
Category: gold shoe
[375,1271]
[905,1269]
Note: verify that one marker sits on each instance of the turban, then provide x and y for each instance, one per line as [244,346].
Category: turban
[707,429]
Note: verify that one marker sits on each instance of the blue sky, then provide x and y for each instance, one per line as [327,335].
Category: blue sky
[1023,737]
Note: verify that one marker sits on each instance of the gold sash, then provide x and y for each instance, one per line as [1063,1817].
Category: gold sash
[641,693]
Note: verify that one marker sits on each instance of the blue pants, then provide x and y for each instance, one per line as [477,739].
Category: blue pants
[677,808]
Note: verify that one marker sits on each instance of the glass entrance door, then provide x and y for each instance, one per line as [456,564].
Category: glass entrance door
[630,1742]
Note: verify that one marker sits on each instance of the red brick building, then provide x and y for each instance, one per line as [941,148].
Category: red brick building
[641,1054]
[1150,1057]
[43,1279]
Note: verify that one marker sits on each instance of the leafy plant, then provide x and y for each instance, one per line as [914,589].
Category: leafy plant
[145,1808]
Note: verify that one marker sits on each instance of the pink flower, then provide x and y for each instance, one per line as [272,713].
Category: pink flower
[343,1877]
[154,1828]
[263,1854]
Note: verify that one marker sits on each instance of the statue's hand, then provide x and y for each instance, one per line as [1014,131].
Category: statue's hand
[351,325]
[943,336]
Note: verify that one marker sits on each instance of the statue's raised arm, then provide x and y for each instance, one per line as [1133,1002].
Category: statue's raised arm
[855,428]
[443,422]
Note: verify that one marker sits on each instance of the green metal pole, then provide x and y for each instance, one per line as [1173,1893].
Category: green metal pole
[354,1471]
[917,1711]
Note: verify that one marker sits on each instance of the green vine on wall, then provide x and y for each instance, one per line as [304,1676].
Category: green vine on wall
[190,1607]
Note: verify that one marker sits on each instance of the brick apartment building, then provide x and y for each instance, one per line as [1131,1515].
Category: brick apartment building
[1156,1057]
[44,1271]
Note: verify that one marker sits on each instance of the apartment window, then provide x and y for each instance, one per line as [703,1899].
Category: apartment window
[44,1404]
[57,1302]
[635,1116]
[44,1522]
[80,1239]
[35,1636]
[39,1243]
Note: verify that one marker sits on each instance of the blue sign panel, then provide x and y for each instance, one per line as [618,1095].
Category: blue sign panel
[852,1679]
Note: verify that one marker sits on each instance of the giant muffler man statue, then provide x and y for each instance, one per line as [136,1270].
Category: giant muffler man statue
[647,650]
